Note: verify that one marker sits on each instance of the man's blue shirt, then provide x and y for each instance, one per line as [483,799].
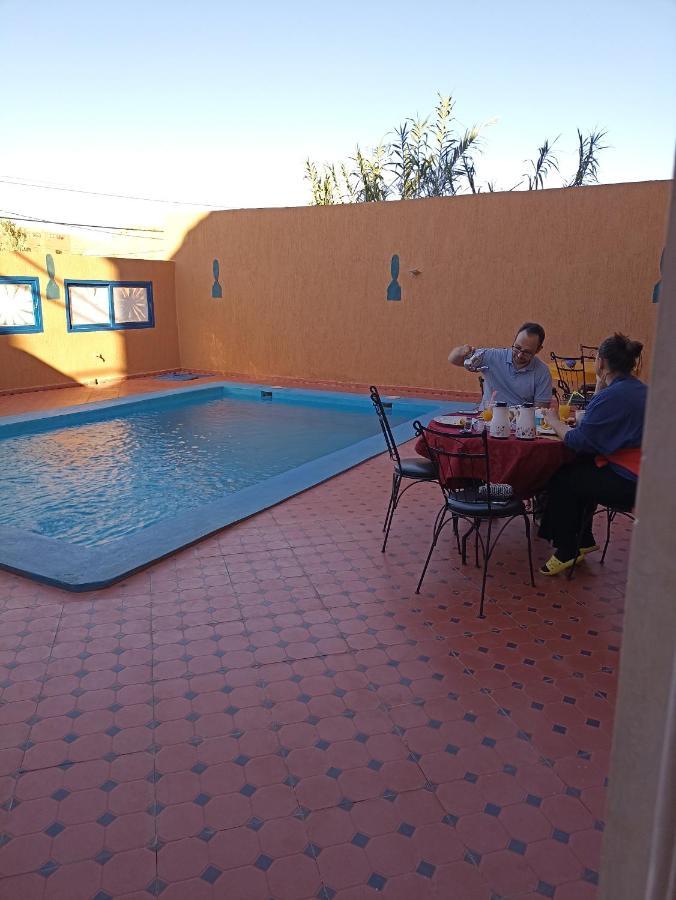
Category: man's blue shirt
[530,384]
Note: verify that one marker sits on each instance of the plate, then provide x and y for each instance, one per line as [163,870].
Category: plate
[541,429]
[456,421]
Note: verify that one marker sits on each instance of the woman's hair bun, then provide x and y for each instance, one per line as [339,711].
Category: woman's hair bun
[634,348]
[621,353]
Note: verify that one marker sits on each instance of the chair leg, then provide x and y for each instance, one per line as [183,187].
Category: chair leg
[487,553]
[476,542]
[611,515]
[438,525]
[396,480]
[456,532]
[530,549]
[389,507]
[463,550]
[394,496]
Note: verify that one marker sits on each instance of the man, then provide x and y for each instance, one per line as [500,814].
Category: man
[515,374]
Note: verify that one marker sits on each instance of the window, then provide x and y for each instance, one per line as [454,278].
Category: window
[109,305]
[20,310]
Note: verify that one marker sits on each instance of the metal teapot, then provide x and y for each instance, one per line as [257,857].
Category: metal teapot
[525,422]
[500,421]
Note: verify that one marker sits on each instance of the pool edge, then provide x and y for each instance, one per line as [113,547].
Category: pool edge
[42,559]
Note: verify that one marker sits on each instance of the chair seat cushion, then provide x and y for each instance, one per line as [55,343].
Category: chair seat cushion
[417,467]
[480,509]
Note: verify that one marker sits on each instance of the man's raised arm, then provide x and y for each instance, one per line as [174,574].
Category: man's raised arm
[458,355]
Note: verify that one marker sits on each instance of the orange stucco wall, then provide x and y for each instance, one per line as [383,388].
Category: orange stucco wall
[57,357]
[304,289]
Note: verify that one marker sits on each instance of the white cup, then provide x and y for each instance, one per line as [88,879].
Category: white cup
[579,415]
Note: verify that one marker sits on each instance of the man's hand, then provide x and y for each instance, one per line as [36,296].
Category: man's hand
[458,355]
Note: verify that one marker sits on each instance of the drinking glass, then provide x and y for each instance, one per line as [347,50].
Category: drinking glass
[487,414]
[564,411]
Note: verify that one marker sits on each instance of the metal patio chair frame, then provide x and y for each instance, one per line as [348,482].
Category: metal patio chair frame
[612,512]
[565,371]
[464,499]
[417,470]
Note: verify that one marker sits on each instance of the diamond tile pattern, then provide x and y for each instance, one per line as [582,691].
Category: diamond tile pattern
[274,709]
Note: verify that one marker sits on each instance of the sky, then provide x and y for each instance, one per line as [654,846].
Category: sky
[221,103]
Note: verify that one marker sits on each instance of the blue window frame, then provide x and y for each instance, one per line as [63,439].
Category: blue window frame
[20,305]
[93,305]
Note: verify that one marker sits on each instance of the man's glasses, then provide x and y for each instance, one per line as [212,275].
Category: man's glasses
[520,352]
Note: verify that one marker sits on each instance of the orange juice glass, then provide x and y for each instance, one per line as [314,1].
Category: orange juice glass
[564,411]
[487,414]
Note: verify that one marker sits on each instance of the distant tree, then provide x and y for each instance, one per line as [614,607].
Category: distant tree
[12,237]
[428,158]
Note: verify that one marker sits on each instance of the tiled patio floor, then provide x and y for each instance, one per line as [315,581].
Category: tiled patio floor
[274,713]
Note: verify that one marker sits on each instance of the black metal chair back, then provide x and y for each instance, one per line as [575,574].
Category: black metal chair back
[461,471]
[385,425]
[465,477]
[572,376]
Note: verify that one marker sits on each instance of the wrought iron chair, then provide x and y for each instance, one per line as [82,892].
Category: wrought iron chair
[416,469]
[465,480]
[572,376]
[588,352]
[612,512]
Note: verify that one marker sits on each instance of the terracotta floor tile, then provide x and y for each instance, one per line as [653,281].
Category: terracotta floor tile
[328,827]
[344,865]
[183,859]
[294,877]
[553,861]
[28,887]
[507,872]
[482,832]
[288,836]
[461,880]
[78,881]
[525,822]
[576,890]
[131,870]
[274,709]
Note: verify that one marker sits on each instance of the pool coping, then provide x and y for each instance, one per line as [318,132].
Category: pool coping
[77,568]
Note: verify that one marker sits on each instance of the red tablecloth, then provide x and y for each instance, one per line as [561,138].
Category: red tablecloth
[526,465]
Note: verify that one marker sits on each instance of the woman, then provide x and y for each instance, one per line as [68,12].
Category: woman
[608,441]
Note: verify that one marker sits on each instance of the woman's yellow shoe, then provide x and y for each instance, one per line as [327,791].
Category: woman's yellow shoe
[553,565]
[591,549]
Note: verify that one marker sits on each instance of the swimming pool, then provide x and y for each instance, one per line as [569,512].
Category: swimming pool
[89,494]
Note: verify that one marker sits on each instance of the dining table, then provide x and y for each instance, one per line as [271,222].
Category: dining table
[526,465]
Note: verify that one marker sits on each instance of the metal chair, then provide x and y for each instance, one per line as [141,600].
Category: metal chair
[588,352]
[416,469]
[612,512]
[464,477]
[572,376]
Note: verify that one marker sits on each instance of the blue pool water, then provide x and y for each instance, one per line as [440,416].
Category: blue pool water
[91,483]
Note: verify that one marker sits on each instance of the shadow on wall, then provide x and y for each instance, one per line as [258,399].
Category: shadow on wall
[56,356]
[16,359]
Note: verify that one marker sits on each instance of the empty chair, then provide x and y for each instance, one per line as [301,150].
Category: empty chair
[464,476]
[573,376]
[416,469]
